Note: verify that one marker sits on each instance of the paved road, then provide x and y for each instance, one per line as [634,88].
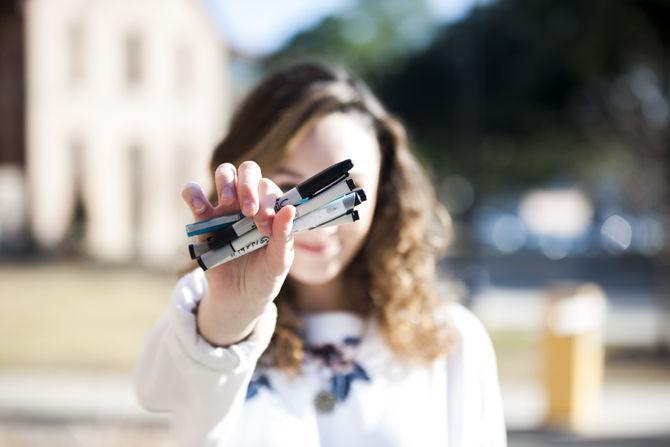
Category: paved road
[38,433]
[543,439]
[59,408]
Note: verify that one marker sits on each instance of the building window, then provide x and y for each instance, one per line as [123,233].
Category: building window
[182,172]
[73,243]
[134,58]
[184,67]
[137,194]
[75,54]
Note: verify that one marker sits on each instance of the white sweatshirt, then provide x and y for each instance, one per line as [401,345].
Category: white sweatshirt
[218,397]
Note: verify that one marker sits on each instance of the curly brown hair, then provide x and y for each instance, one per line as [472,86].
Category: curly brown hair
[410,229]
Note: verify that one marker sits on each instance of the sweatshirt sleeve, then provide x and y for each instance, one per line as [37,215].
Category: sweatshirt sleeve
[475,402]
[203,387]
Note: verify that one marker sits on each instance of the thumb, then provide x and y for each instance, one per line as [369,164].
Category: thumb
[279,252]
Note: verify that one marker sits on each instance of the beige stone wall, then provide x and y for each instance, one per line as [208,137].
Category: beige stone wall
[125,142]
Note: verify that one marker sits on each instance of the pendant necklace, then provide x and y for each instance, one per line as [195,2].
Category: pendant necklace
[337,370]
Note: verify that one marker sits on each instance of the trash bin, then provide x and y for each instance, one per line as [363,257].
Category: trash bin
[574,356]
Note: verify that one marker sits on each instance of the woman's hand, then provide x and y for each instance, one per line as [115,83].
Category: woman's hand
[239,290]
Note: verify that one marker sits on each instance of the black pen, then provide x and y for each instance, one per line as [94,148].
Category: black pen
[293,196]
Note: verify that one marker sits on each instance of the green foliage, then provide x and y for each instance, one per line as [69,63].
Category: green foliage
[369,39]
[528,83]
[516,93]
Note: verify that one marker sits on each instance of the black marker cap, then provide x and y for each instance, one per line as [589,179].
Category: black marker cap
[202,264]
[361,195]
[191,251]
[221,238]
[355,215]
[324,178]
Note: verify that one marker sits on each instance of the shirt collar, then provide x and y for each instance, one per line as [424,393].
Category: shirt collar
[332,327]
[372,352]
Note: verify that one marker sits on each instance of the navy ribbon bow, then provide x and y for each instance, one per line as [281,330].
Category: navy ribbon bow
[256,384]
[346,371]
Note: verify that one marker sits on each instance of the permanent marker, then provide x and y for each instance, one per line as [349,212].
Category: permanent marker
[317,217]
[314,218]
[213,224]
[304,190]
[327,195]
[348,217]
[307,206]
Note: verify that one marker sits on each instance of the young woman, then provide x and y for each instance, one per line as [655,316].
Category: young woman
[334,336]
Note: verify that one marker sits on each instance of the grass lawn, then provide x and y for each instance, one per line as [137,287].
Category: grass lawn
[70,315]
[76,315]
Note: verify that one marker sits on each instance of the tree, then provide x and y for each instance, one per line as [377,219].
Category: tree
[369,39]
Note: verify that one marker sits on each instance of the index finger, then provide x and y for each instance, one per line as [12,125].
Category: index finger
[198,203]
[225,179]
[249,175]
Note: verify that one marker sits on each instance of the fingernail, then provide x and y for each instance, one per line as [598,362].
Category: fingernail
[198,205]
[248,206]
[228,194]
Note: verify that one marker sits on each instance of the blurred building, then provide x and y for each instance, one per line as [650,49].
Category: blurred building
[107,108]
[12,118]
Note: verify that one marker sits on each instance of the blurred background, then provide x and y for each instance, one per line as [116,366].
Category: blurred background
[545,125]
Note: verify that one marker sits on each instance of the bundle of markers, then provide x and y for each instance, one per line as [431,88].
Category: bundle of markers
[323,200]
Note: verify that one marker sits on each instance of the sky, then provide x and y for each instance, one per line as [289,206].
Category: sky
[258,27]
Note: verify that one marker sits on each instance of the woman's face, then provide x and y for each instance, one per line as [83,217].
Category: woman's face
[322,254]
